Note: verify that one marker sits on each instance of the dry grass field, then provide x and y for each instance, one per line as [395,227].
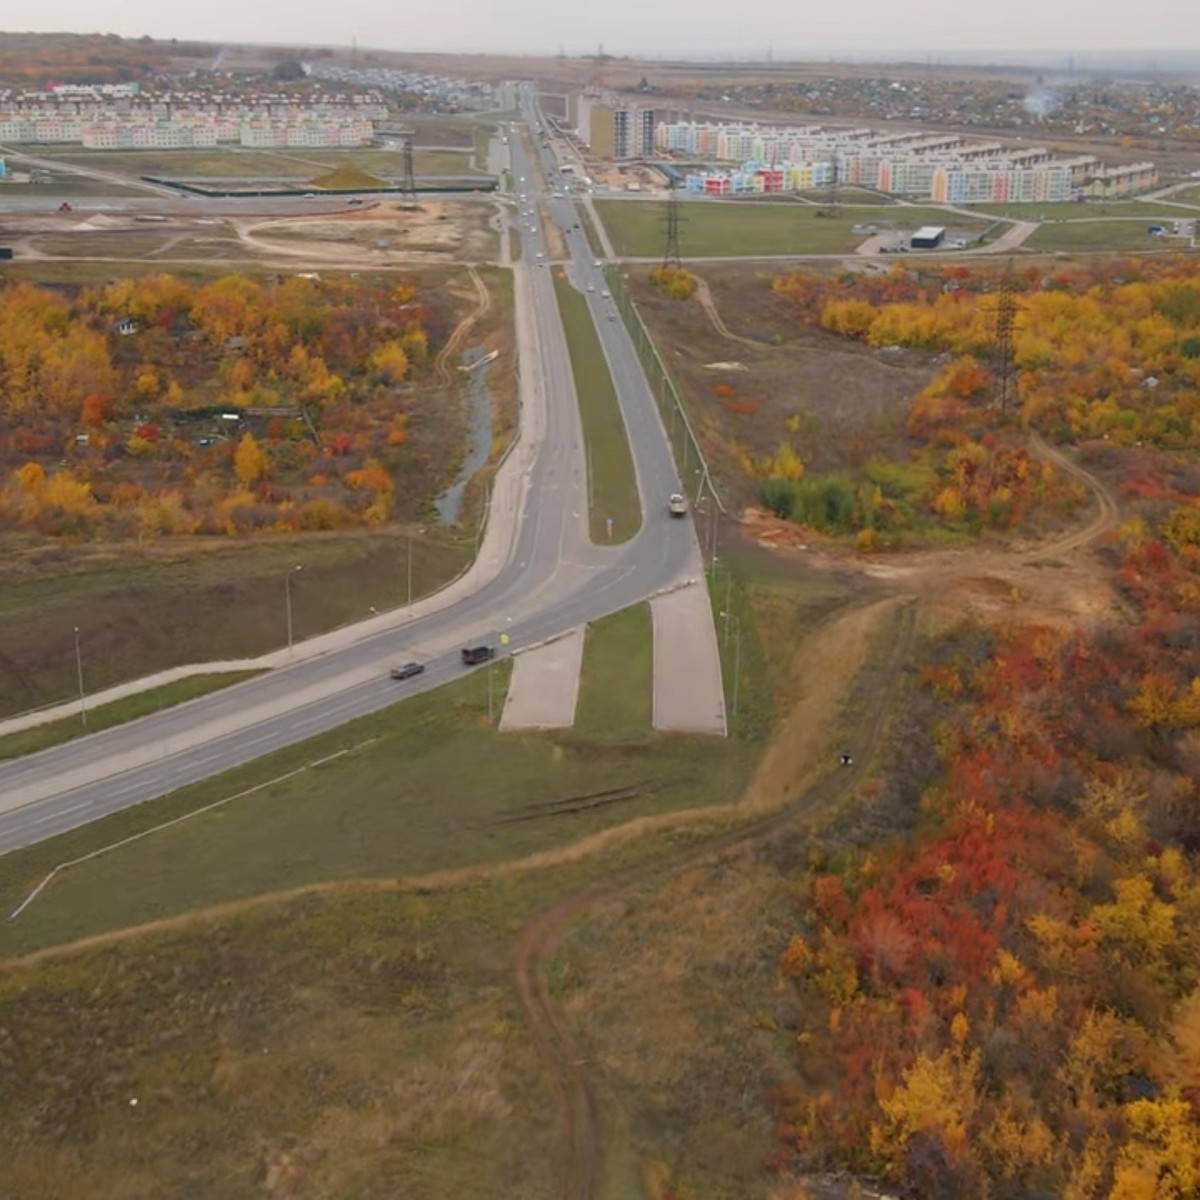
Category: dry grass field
[347,1038]
[839,403]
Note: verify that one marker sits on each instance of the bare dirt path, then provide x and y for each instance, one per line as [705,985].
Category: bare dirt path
[988,580]
[1054,582]
[483,302]
[704,296]
[575,1095]
[574,1092]
[1107,513]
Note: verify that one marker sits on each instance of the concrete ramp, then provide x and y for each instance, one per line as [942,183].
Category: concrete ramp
[544,687]
[688,695]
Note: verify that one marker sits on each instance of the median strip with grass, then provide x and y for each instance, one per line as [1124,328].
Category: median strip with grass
[613,494]
[105,716]
[590,231]
[616,678]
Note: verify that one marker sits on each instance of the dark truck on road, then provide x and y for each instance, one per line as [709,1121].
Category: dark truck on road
[472,656]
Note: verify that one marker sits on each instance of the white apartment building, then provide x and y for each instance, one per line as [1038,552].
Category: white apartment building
[104,119]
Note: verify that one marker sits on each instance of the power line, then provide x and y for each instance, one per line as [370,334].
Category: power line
[671,253]
[833,200]
[409,184]
[1006,316]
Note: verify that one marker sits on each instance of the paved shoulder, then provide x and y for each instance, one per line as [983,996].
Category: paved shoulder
[688,695]
[545,685]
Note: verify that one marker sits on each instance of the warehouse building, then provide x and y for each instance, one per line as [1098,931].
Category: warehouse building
[928,237]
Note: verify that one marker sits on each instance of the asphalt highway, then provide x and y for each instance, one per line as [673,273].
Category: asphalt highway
[553,580]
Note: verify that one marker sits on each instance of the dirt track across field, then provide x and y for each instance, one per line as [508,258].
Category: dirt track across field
[1048,582]
[1051,582]
[575,1095]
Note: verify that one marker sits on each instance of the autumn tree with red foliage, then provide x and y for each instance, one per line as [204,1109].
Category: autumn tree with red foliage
[988,1009]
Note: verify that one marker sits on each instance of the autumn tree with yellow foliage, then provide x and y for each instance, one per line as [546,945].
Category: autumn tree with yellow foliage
[154,407]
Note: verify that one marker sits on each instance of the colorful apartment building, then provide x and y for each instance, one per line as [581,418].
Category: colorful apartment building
[942,167]
[760,179]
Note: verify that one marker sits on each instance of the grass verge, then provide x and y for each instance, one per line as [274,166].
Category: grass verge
[851,195]
[613,485]
[73,187]
[428,785]
[338,1041]
[105,716]
[671,989]
[342,1040]
[446,162]
[715,228]
[617,678]
[299,163]
[1074,210]
[589,229]
[1123,234]
[144,609]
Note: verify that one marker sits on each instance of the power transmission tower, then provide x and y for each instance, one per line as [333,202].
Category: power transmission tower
[833,198]
[409,185]
[671,253]
[1006,316]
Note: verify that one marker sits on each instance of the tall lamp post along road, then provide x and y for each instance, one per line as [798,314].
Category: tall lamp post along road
[737,652]
[79,675]
[287,596]
[541,569]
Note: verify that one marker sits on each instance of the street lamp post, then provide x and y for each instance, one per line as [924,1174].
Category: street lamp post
[737,653]
[79,675]
[287,598]
[487,504]
[410,540]
[737,661]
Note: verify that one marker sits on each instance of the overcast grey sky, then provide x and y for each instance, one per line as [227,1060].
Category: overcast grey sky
[701,28]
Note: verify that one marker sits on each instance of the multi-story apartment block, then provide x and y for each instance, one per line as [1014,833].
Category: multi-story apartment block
[1107,182]
[108,117]
[760,178]
[94,90]
[1001,183]
[615,131]
[942,167]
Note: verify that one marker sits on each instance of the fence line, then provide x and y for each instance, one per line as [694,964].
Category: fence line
[660,385]
[187,816]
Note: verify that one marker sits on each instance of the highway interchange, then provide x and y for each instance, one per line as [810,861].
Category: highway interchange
[549,579]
